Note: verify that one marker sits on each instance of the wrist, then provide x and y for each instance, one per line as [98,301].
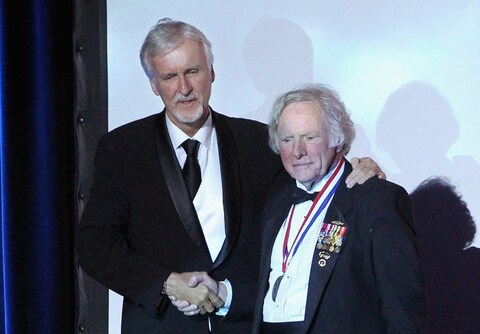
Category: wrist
[222,291]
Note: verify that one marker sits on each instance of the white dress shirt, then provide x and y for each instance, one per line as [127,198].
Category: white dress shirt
[291,300]
[208,201]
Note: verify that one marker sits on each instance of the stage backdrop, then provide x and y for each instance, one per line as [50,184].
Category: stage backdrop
[408,71]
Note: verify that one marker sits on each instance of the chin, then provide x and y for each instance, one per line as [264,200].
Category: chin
[188,117]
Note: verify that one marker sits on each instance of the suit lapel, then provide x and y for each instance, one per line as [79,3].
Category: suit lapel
[231,185]
[176,186]
[324,260]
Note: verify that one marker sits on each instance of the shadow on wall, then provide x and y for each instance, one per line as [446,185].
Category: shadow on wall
[445,229]
[279,56]
[417,127]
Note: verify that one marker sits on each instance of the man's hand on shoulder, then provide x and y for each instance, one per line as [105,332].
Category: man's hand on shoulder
[363,169]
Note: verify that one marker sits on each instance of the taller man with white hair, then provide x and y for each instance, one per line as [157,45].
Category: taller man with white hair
[178,195]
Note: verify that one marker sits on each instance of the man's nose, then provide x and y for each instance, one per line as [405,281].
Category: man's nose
[185,86]
[299,148]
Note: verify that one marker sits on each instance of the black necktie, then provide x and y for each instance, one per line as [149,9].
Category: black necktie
[300,196]
[191,170]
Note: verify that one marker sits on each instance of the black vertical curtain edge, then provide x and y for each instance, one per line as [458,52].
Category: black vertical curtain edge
[91,122]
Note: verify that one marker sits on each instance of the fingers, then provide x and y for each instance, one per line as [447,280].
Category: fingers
[215,299]
[363,169]
[356,177]
[355,162]
[195,312]
[182,304]
[197,278]
[187,308]
[177,286]
[362,178]
[190,310]
[193,293]
[205,279]
[208,306]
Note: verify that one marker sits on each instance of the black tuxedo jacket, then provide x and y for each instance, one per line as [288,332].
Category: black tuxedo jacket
[139,224]
[374,284]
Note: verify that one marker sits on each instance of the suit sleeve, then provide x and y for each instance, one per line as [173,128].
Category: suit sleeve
[397,267]
[102,243]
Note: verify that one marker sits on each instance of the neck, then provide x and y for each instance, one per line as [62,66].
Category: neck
[190,129]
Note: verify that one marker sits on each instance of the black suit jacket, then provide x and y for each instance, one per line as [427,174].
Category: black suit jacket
[139,224]
[375,284]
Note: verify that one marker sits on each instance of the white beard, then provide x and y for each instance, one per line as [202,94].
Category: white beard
[188,117]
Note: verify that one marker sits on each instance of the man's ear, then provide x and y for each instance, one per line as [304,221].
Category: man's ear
[153,84]
[213,74]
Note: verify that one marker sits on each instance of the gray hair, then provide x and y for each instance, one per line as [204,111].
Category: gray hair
[340,126]
[166,36]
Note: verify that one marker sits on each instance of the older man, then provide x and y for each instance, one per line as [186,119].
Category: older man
[334,260]
[180,192]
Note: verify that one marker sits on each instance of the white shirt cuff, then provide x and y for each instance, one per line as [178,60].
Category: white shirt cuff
[222,311]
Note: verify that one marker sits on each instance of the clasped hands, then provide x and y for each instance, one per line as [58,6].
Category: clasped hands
[195,292]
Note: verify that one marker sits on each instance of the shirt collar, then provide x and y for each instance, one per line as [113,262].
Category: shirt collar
[203,135]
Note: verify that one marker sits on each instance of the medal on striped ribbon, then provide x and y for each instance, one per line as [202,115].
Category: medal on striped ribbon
[288,254]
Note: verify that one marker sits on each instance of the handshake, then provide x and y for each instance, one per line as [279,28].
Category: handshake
[195,292]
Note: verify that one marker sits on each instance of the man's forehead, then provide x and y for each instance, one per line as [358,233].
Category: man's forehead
[193,46]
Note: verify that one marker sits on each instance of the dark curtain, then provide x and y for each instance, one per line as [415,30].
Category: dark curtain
[40,119]
[37,166]
[91,121]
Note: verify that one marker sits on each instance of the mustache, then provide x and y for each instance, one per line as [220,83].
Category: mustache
[185,98]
